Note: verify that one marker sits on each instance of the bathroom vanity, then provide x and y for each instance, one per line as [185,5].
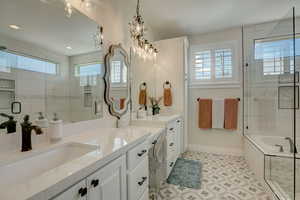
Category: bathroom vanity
[112,165]
[173,126]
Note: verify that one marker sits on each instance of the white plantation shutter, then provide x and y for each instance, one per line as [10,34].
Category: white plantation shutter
[116,72]
[214,64]
[223,63]
[202,65]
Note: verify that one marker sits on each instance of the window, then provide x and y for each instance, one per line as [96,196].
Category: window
[213,64]
[118,74]
[276,55]
[11,60]
[88,73]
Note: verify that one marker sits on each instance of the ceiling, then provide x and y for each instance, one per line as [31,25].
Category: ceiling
[44,23]
[169,18]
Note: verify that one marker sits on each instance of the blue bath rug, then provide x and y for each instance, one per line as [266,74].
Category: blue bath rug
[186,173]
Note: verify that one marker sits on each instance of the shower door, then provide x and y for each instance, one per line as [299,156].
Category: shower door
[271,100]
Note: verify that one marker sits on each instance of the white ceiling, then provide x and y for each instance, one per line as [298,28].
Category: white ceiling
[169,18]
[46,25]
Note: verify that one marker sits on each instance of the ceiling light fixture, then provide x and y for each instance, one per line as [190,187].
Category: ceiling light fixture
[15,27]
[68,47]
[98,37]
[69,8]
[141,45]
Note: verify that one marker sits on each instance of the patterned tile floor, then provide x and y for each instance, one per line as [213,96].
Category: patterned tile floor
[224,177]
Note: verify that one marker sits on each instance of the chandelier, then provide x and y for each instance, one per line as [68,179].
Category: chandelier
[141,46]
[98,37]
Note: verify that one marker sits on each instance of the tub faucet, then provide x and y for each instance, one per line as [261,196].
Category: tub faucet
[293,148]
[27,128]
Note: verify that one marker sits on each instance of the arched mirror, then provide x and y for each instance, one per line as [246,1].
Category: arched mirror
[116,78]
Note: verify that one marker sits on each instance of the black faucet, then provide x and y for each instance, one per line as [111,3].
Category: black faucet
[293,148]
[27,128]
[10,124]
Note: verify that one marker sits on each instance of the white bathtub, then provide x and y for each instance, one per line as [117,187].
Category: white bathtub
[267,144]
[257,148]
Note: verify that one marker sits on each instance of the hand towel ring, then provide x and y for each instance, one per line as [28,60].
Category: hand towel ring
[167,83]
[144,84]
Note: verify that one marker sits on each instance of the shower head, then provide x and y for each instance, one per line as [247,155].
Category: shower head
[2,48]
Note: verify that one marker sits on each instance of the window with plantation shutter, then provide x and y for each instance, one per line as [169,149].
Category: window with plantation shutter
[223,63]
[202,65]
[215,64]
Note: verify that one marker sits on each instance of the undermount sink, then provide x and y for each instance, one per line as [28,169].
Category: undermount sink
[40,162]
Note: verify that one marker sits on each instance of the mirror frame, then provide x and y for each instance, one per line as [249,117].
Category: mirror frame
[106,77]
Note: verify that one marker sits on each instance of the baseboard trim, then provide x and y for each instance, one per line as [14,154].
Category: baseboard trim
[217,150]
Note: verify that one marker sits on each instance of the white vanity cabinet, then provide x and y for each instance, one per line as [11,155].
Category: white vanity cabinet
[138,172]
[76,192]
[108,183]
[173,142]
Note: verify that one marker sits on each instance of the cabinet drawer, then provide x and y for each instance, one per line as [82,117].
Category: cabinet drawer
[78,192]
[137,154]
[145,195]
[171,127]
[138,180]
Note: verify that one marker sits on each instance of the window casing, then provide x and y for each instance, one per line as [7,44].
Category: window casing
[88,73]
[214,64]
[10,60]
[276,55]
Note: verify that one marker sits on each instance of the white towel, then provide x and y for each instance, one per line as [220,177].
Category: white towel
[218,113]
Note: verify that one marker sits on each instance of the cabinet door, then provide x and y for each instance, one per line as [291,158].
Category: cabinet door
[76,192]
[109,183]
[179,138]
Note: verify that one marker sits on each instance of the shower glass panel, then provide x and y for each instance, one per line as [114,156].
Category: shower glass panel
[271,100]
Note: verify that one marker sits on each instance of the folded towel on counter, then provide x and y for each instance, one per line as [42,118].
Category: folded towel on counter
[231,114]
[167,97]
[205,113]
[218,113]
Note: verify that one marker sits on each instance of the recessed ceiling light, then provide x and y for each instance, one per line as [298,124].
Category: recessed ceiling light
[68,47]
[13,26]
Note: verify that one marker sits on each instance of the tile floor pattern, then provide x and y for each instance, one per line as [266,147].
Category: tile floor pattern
[224,177]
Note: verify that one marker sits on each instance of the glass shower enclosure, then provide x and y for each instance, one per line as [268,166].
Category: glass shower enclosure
[271,101]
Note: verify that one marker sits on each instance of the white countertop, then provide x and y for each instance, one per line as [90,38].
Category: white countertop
[156,120]
[110,142]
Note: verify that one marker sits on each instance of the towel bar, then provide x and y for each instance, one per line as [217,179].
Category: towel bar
[239,99]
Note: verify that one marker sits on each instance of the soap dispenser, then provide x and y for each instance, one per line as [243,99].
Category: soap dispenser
[55,128]
[41,121]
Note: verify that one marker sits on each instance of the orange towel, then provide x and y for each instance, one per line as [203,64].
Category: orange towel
[167,97]
[205,113]
[143,97]
[230,113]
[122,103]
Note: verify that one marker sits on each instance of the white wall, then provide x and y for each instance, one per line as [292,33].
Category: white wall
[220,141]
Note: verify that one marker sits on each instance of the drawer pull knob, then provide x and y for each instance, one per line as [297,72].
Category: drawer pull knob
[171,129]
[142,181]
[178,121]
[95,182]
[82,191]
[142,153]
[171,164]
[171,144]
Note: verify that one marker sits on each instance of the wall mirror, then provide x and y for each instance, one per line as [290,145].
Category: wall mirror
[49,62]
[117,84]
